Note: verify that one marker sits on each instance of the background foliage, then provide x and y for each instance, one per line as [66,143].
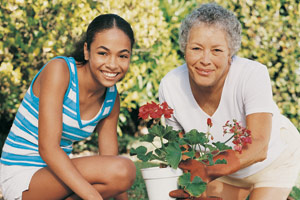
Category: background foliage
[34,31]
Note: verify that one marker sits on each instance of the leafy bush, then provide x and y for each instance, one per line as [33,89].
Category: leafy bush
[271,31]
[32,32]
[271,35]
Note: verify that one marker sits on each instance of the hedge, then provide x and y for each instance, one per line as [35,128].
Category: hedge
[32,32]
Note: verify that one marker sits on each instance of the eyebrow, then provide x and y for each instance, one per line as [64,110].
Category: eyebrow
[105,48]
[214,45]
[218,46]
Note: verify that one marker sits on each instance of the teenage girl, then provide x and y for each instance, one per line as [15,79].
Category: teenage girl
[68,99]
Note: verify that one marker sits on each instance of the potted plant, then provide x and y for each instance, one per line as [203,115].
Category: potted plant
[159,180]
[175,147]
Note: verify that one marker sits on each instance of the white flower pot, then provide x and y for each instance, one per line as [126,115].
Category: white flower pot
[160,181]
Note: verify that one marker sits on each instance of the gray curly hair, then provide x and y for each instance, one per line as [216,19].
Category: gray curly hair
[212,14]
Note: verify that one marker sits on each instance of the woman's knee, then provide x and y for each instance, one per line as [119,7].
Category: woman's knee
[226,191]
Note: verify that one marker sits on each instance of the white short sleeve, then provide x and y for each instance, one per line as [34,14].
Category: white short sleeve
[257,91]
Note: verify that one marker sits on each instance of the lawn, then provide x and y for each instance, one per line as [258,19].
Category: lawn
[138,189]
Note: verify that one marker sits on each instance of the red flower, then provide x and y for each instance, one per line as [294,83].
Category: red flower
[145,110]
[167,112]
[155,110]
[209,123]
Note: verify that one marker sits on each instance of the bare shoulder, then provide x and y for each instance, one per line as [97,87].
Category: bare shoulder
[57,65]
[55,74]
[57,69]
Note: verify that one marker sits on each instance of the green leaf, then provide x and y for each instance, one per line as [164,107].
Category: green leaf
[195,137]
[190,154]
[197,187]
[157,130]
[221,146]
[141,153]
[223,161]
[211,147]
[158,152]
[210,159]
[295,193]
[132,152]
[173,156]
[145,157]
[170,134]
[147,138]
[182,141]
[155,157]
[184,179]
[194,188]
[139,150]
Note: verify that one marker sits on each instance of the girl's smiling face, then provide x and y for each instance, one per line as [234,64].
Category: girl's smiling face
[108,56]
[207,56]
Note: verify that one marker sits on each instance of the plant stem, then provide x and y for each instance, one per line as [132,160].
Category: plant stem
[162,151]
[154,145]
[200,150]
[229,139]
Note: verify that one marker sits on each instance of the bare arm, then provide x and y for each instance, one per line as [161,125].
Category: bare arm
[53,85]
[107,131]
[260,125]
[108,140]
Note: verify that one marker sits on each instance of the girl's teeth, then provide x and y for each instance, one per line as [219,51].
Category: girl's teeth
[110,74]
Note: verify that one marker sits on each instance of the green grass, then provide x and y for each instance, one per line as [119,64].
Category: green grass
[138,189]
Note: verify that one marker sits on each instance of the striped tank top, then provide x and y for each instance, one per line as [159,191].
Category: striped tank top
[21,145]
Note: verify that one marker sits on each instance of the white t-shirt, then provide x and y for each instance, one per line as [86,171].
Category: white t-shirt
[247,90]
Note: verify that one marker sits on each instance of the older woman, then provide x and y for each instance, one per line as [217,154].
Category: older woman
[215,83]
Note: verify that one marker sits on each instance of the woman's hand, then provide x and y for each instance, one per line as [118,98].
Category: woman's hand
[181,194]
[209,173]
[196,168]
[218,170]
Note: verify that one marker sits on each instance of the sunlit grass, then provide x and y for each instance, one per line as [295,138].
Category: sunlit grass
[138,189]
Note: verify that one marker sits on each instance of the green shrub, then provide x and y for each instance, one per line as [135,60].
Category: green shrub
[32,32]
[271,35]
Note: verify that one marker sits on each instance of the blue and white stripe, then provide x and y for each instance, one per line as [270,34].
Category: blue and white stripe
[21,145]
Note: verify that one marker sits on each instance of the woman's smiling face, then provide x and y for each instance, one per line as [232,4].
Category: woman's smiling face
[207,56]
[109,56]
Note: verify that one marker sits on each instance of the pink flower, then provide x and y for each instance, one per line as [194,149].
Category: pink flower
[241,136]
[238,148]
